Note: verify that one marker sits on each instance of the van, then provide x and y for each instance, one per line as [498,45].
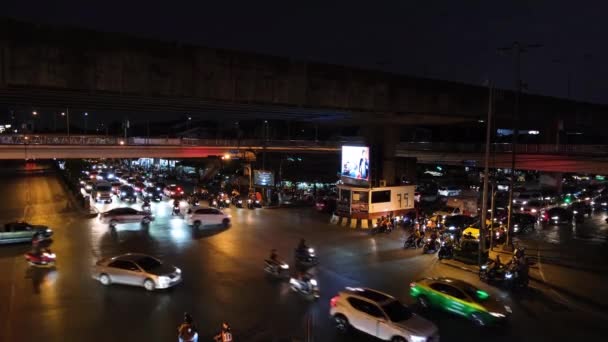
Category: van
[102,192]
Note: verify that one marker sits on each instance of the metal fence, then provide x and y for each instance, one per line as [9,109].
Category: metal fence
[505,148]
[50,139]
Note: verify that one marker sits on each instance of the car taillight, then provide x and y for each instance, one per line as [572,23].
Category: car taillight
[333,302]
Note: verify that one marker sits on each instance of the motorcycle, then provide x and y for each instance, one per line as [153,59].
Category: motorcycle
[306,286]
[213,203]
[176,210]
[430,246]
[146,207]
[306,258]
[383,228]
[511,275]
[250,204]
[410,242]
[238,203]
[446,251]
[278,269]
[45,258]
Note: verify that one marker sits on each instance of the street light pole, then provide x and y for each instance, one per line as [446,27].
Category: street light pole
[517,49]
[486,175]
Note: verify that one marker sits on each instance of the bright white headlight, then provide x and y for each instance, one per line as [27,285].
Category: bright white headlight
[313,282]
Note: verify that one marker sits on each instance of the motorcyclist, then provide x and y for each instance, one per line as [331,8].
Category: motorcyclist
[302,248]
[497,266]
[187,331]
[225,334]
[273,255]
[418,237]
[175,203]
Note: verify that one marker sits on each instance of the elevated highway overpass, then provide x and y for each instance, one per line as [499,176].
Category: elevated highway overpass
[541,157]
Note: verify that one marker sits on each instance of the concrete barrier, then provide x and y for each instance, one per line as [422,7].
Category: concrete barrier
[344,221]
[354,223]
[365,224]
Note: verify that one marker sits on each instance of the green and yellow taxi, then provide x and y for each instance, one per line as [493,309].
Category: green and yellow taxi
[460,298]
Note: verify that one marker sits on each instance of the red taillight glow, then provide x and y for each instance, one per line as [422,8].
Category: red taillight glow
[333,302]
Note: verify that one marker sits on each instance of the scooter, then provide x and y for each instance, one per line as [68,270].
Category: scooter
[307,258]
[176,211]
[430,246]
[410,242]
[238,203]
[45,258]
[146,207]
[446,251]
[250,204]
[278,269]
[510,275]
[306,286]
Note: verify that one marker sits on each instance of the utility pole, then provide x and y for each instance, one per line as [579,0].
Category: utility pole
[517,49]
[486,175]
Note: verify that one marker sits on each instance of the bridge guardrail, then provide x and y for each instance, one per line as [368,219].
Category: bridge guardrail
[42,139]
[505,148]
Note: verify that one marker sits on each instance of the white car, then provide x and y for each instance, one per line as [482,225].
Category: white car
[198,217]
[380,315]
[449,191]
[125,215]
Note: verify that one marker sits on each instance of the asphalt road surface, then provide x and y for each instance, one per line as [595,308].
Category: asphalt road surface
[224,280]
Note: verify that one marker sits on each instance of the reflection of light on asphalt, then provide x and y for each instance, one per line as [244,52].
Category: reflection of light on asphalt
[178,231]
[374,245]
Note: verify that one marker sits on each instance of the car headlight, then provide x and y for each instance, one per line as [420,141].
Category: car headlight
[483,267]
[284,266]
[48,230]
[311,250]
[533,210]
[592,202]
[123,193]
[524,202]
[604,204]
[452,228]
[497,314]
[415,338]
[555,218]
[178,271]
[313,282]
[508,275]
[576,211]
[163,280]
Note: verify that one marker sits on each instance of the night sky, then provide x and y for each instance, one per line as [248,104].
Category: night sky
[453,40]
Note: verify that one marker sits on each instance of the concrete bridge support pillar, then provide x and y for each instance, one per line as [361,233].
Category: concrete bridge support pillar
[383,141]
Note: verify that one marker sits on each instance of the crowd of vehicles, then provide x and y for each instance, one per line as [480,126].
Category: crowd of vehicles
[453,233]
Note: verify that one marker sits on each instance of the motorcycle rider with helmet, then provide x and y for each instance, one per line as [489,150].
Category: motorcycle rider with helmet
[187,331]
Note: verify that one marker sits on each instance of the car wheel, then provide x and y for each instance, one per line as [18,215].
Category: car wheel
[341,323]
[423,302]
[398,339]
[113,223]
[197,224]
[149,285]
[477,320]
[225,223]
[145,220]
[104,279]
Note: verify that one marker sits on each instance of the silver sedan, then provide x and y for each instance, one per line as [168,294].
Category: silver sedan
[138,270]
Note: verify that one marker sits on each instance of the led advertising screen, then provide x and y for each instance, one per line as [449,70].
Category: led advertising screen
[263,178]
[355,164]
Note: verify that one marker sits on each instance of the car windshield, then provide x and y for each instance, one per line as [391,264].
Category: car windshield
[396,311]
[524,196]
[104,188]
[148,264]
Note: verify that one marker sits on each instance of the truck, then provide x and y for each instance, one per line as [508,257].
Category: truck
[102,192]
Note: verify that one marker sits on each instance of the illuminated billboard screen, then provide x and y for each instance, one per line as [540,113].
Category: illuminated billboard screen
[355,164]
[263,178]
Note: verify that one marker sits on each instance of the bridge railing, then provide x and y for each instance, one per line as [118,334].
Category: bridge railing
[505,148]
[50,139]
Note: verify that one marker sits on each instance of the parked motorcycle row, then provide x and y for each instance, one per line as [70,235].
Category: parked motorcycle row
[302,281]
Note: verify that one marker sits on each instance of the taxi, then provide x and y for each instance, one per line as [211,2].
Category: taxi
[460,298]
